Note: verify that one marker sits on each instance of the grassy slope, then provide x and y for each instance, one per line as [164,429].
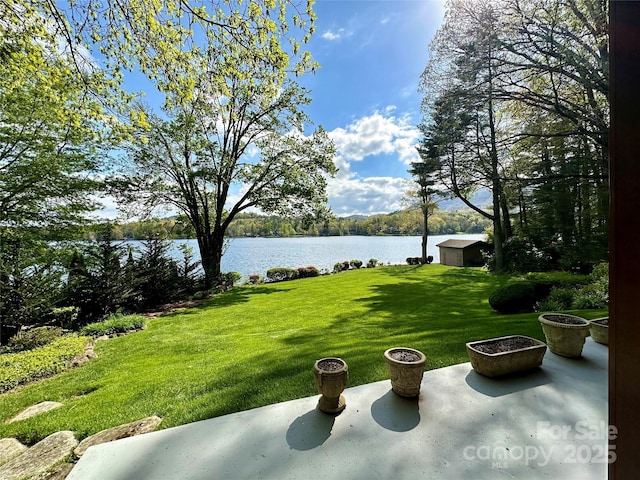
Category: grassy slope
[256,345]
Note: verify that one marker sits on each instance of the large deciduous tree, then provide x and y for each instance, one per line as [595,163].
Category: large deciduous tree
[233,133]
[221,155]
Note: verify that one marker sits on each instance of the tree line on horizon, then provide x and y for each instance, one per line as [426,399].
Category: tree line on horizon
[404,222]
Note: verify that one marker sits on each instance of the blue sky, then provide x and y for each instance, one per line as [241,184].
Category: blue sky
[365,95]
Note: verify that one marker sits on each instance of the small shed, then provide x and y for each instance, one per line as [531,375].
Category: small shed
[462,253]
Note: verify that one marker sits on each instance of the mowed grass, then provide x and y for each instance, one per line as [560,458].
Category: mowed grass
[256,345]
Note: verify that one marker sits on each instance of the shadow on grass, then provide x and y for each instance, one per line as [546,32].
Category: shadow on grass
[435,313]
[234,296]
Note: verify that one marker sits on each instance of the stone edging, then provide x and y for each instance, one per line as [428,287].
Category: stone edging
[43,460]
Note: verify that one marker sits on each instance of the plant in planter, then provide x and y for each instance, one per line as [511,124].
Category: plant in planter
[406,366]
[503,355]
[599,329]
[565,333]
[330,377]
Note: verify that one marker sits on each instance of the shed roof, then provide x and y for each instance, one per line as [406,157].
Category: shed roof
[451,243]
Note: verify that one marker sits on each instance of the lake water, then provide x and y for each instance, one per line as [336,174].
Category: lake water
[257,255]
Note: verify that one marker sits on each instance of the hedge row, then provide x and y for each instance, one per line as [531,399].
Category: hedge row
[114,324]
[280,274]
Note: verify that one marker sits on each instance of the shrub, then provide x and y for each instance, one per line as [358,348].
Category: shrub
[230,278]
[560,298]
[600,272]
[596,293]
[114,324]
[589,297]
[310,271]
[517,297]
[341,267]
[106,277]
[254,278]
[281,274]
[20,368]
[372,263]
[32,338]
[556,290]
[355,263]
[201,295]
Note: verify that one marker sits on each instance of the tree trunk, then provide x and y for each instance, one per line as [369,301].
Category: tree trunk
[506,216]
[425,234]
[498,235]
[210,246]
[496,185]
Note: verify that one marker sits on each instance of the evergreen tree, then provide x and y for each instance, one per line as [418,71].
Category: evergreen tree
[425,174]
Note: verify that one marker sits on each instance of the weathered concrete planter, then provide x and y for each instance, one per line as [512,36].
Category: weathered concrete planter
[565,333]
[599,329]
[495,357]
[406,366]
[330,377]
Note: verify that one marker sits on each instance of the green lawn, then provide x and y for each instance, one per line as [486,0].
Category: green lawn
[256,345]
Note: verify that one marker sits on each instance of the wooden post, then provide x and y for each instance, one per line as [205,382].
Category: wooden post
[624,261]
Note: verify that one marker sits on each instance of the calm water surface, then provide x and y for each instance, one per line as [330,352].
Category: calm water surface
[257,255]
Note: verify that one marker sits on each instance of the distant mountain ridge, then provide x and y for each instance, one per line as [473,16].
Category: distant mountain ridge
[482,199]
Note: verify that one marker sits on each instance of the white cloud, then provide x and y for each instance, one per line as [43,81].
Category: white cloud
[379,133]
[367,196]
[336,35]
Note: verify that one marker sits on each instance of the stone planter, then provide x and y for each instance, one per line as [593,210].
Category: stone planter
[599,329]
[565,333]
[503,355]
[406,366]
[330,377]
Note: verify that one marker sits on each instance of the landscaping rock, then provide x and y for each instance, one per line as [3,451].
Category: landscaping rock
[10,448]
[41,457]
[87,355]
[138,427]
[34,410]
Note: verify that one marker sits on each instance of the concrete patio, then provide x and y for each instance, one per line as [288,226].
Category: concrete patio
[549,423]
